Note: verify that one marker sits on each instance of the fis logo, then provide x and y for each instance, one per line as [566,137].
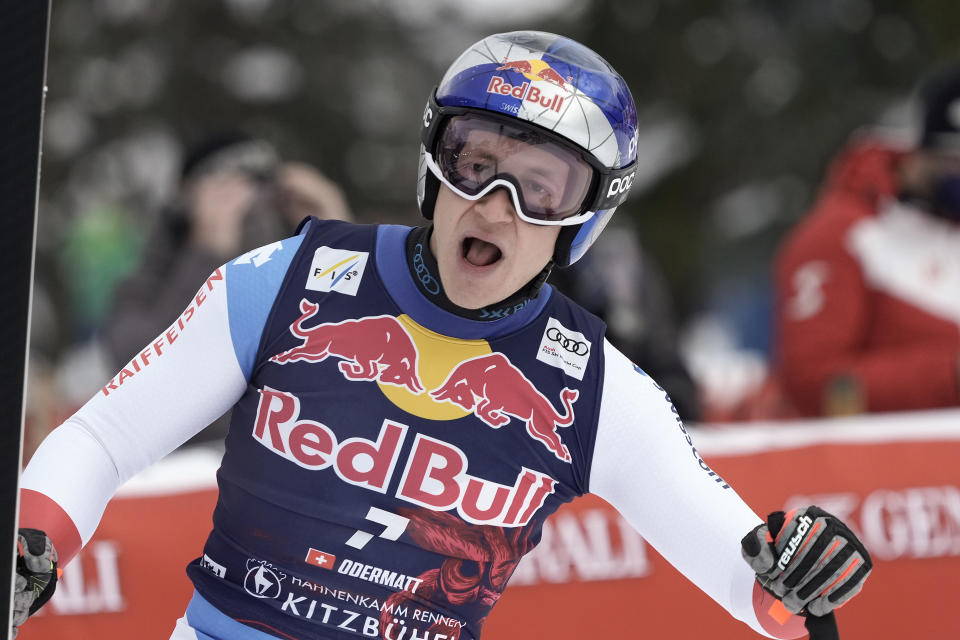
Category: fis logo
[336,270]
[803,526]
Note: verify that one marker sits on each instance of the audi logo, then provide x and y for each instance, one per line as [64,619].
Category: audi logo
[569,344]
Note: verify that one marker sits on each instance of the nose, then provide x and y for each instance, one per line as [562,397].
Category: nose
[497,206]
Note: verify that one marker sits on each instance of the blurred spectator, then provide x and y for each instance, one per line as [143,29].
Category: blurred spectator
[301,191]
[235,195]
[868,309]
[99,248]
[619,283]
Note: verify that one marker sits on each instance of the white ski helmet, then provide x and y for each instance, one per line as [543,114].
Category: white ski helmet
[557,92]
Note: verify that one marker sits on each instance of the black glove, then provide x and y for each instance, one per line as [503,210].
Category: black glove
[808,559]
[36,574]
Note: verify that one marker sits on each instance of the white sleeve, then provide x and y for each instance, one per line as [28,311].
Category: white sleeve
[646,466]
[177,385]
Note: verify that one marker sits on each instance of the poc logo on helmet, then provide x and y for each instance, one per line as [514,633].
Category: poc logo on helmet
[620,185]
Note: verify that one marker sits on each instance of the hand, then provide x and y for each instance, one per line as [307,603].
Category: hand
[808,559]
[36,574]
[303,191]
[218,204]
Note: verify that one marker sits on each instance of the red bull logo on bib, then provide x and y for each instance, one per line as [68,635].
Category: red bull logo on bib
[434,474]
[496,391]
[371,348]
[389,351]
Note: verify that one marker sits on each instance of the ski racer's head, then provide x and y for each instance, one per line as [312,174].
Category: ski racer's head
[933,172]
[528,146]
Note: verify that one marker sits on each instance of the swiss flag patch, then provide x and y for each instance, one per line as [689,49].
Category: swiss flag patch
[321,559]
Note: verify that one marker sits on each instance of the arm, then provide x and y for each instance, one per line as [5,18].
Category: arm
[193,372]
[823,314]
[645,465]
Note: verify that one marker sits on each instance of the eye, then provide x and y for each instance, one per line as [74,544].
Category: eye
[536,187]
[539,192]
[475,167]
[479,168]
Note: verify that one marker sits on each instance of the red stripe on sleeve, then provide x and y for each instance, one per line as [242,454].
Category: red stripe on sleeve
[37,511]
[771,617]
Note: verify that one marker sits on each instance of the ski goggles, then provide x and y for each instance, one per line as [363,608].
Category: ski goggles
[550,181]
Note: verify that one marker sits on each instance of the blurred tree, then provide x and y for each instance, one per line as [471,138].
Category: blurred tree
[770,91]
[741,102]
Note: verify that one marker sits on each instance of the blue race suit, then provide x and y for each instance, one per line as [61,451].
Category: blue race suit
[389,465]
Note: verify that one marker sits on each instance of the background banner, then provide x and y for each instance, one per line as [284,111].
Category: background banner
[895,478]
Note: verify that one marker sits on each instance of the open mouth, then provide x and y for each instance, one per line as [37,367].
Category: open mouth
[480,253]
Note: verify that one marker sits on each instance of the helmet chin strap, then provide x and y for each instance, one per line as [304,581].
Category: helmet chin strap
[426,274]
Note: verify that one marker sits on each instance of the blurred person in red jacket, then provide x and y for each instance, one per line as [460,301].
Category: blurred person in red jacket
[868,304]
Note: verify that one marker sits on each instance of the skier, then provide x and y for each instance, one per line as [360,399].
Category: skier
[410,405]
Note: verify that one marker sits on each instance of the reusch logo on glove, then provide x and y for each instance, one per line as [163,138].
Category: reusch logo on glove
[803,525]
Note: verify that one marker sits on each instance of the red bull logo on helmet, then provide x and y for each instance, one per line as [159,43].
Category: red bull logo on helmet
[537,72]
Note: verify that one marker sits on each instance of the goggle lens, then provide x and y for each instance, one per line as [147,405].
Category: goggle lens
[551,181]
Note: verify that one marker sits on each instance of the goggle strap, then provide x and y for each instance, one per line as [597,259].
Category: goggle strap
[615,186]
[431,122]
